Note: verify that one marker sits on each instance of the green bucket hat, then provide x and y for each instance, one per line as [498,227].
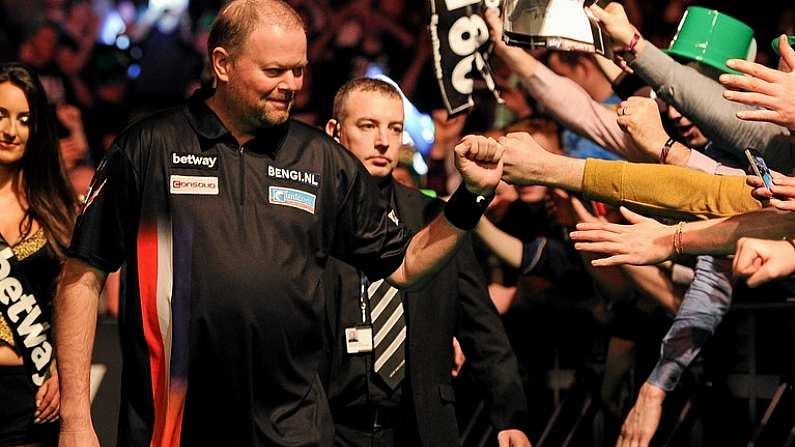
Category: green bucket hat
[712,38]
[774,43]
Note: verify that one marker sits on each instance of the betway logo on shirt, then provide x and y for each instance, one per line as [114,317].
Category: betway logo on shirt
[192,184]
[194,161]
[24,313]
[309,178]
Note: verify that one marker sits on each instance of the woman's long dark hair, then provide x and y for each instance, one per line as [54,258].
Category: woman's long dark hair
[51,200]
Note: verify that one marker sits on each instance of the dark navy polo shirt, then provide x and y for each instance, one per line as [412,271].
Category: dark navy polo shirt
[224,248]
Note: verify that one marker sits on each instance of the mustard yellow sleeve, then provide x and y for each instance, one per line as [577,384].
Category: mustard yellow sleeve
[667,191]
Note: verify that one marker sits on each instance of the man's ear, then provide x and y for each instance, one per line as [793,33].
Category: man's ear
[333,129]
[221,64]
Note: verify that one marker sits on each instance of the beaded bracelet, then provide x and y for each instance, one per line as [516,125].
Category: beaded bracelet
[678,248]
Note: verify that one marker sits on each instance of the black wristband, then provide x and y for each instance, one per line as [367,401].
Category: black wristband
[464,209]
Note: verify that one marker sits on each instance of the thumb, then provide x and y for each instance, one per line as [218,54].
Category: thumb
[40,393]
[583,215]
[786,51]
[632,216]
[492,16]
[598,12]
[463,146]
[493,22]
[759,277]
[560,193]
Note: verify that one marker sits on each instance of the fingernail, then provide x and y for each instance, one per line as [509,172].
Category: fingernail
[731,63]
[37,421]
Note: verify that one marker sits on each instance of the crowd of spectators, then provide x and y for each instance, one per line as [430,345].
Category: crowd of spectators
[106,62]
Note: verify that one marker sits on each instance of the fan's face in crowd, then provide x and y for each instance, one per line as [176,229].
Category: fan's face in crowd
[686,129]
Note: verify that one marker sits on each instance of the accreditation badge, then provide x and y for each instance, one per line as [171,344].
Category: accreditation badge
[359,339]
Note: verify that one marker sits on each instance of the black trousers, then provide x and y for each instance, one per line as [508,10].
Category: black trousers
[360,429]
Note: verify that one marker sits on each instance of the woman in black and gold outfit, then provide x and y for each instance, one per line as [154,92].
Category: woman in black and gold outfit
[37,213]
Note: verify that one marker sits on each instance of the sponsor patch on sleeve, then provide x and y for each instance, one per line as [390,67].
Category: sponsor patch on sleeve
[192,184]
[292,197]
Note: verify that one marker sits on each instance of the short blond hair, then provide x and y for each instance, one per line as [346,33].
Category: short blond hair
[361,85]
[238,19]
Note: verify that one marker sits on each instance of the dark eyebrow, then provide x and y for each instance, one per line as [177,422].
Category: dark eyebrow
[277,66]
[26,112]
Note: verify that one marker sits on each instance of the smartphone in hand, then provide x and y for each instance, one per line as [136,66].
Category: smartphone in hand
[759,166]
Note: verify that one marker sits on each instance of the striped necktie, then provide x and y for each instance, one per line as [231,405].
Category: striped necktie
[389,332]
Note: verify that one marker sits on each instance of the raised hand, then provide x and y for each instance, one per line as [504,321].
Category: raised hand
[559,207]
[644,242]
[644,417]
[762,260]
[773,90]
[781,195]
[493,22]
[512,438]
[640,118]
[525,162]
[479,160]
[616,23]
[520,61]
[569,210]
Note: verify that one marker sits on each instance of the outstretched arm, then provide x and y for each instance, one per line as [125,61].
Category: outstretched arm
[75,325]
[506,247]
[479,160]
[703,308]
[659,189]
[563,98]
[647,241]
[760,261]
[695,95]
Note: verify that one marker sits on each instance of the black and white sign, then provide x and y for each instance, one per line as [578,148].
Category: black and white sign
[460,41]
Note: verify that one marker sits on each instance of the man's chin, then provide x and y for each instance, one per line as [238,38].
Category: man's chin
[271,118]
[378,171]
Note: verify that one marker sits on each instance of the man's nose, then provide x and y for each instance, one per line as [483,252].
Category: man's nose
[382,138]
[292,81]
[674,114]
